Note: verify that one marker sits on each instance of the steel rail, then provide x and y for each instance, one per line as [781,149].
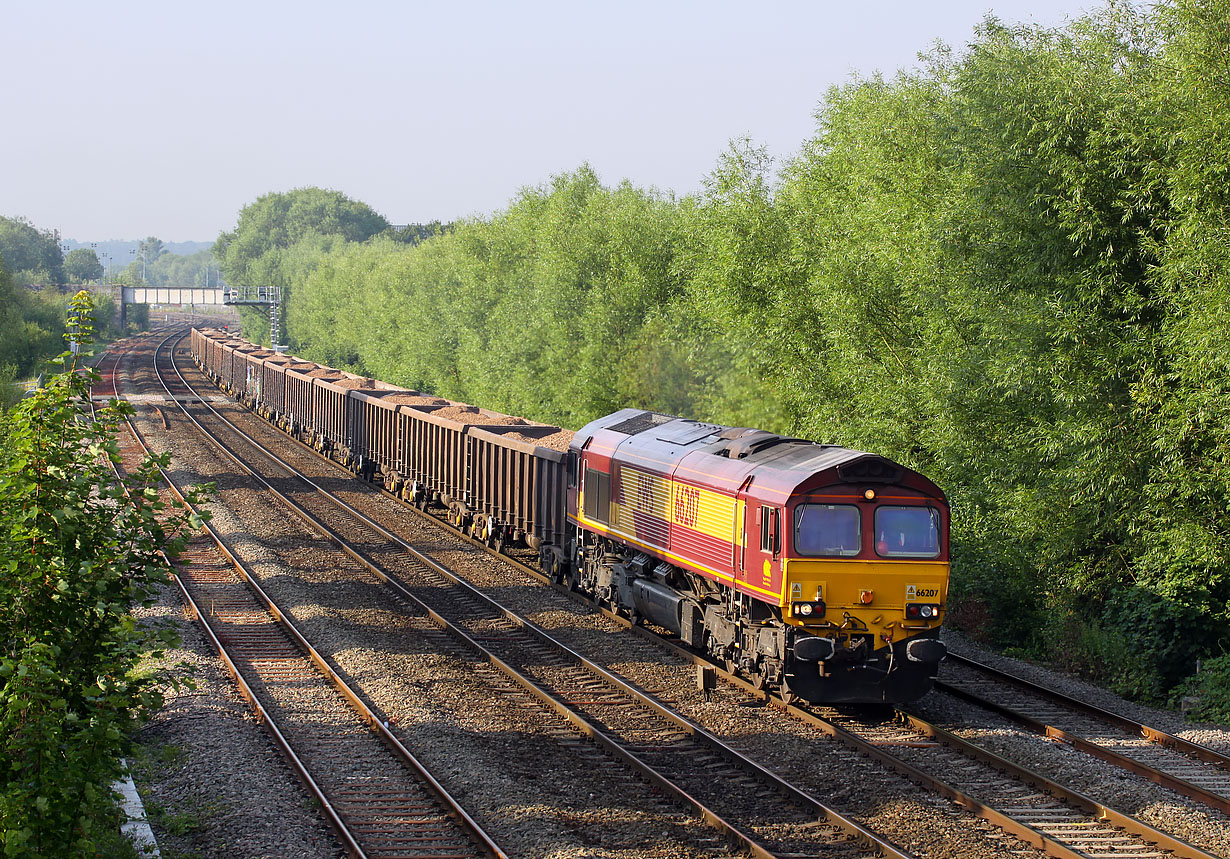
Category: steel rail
[1092,807]
[335,822]
[1162,738]
[469,828]
[451,806]
[1110,756]
[692,729]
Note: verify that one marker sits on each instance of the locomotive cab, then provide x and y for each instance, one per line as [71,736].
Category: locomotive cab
[866,578]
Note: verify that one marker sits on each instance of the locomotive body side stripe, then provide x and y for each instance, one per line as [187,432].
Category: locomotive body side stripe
[658,551]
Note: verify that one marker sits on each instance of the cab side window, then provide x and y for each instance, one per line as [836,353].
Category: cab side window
[768,530]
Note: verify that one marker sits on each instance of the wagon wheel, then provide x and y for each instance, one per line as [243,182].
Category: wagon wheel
[497,543]
[760,681]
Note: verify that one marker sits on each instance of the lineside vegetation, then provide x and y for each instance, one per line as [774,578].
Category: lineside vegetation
[1008,269]
[78,549]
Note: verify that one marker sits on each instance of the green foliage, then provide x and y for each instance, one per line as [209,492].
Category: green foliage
[574,287]
[250,253]
[32,255]
[150,248]
[30,327]
[1211,689]
[278,235]
[79,549]
[82,265]
[170,269]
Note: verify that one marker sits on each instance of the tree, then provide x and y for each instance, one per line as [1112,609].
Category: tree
[32,255]
[276,221]
[150,249]
[82,265]
[78,548]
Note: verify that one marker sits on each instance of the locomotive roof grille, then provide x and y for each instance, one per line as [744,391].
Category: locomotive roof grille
[869,469]
[640,423]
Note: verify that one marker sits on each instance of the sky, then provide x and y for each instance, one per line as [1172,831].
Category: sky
[130,119]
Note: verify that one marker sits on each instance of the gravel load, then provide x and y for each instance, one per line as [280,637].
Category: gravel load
[413,400]
[471,415]
[556,441]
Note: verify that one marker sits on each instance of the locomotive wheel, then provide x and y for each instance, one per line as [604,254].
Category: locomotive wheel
[788,697]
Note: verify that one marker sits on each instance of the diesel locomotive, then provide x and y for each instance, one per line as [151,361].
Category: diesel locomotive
[815,570]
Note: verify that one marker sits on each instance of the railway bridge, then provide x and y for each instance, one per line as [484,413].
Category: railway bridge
[264,296]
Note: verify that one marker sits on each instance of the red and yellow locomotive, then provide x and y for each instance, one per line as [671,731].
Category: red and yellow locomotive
[815,569]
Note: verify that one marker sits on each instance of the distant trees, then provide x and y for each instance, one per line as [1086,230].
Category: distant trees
[275,222]
[31,327]
[150,249]
[31,255]
[81,265]
[162,268]
[32,319]
[280,233]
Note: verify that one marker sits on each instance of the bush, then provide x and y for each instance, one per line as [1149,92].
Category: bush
[1210,686]
[77,548]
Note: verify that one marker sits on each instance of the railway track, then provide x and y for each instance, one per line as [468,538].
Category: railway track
[1026,805]
[378,798]
[1187,768]
[755,809]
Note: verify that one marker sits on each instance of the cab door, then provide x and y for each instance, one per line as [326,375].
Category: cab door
[761,544]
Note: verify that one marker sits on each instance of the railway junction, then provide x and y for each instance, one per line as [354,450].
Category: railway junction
[393,687]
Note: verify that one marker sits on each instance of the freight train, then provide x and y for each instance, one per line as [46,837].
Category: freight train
[815,570]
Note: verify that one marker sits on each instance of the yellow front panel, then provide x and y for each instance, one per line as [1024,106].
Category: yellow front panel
[892,584]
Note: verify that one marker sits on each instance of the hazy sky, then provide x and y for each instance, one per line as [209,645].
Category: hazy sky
[128,119]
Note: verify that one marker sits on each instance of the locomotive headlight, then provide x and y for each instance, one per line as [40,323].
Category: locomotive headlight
[927,611]
[805,609]
[870,495]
